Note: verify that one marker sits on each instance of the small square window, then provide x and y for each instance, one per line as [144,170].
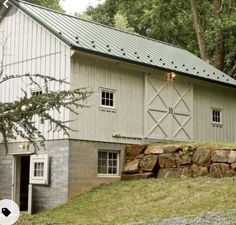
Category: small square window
[39,169]
[216,116]
[107,98]
[36,92]
[108,163]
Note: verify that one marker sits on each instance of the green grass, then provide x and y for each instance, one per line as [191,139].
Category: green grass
[129,201]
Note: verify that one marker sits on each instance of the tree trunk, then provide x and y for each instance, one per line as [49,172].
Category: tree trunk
[199,31]
[220,42]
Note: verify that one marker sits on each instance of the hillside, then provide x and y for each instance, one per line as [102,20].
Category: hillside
[144,201]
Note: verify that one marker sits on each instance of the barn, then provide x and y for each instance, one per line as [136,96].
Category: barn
[144,91]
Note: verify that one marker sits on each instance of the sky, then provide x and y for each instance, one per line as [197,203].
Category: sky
[72,6]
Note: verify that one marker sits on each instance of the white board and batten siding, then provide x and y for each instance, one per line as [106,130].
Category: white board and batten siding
[101,124]
[206,98]
[32,49]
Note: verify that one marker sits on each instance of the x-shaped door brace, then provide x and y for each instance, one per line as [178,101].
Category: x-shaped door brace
[182,126]
[181,97]
[157,124]
[157,93]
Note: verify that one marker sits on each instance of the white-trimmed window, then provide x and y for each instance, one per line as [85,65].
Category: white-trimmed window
[36,91]
[39,169]
[108,163]
[216,116]
[107,98]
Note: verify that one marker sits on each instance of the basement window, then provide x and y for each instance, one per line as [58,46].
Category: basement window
[107,98]
[216,116]
[108,163]
[39,169]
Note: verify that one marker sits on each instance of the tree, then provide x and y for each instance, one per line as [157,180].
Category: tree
[52,4]
[205,28]
[19,118]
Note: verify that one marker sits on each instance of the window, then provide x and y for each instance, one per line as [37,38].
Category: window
[108,163]
[39,169]
[216,116]
[107,98]
[36,92]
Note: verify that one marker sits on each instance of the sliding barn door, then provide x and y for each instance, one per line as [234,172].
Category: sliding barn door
[157,102]
[181,110]
[168,109]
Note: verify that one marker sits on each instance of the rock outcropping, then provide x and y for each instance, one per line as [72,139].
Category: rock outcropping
[187,160]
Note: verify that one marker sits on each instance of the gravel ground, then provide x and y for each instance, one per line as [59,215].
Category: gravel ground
[209,218]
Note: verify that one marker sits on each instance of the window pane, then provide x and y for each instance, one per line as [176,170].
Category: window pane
[107,95]
[216,116]
[111,96]
[111,102]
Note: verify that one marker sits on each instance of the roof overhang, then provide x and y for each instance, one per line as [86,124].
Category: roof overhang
[149,66]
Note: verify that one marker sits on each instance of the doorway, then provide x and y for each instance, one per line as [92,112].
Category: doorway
[24,182]
[20,181]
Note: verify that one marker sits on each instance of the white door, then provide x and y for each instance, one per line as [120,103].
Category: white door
[181,110]
[168,109]
[157,107]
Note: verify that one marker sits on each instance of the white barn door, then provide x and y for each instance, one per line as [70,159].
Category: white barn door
[168,109]
[181,110]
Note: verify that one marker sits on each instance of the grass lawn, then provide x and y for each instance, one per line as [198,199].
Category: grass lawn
[129,201]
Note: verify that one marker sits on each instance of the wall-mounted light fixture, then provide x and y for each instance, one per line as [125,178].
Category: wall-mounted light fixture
[24,146]
[171,76]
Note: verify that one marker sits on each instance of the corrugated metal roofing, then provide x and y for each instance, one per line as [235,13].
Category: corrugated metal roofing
[100,39]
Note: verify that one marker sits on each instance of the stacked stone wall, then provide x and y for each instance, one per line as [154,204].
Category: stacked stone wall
[182,160]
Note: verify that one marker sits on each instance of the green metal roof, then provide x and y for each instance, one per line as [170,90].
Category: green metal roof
[99,39]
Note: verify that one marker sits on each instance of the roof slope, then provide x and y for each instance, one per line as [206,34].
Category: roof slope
[100,39]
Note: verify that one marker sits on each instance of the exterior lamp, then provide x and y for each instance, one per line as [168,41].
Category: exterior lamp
[171,76]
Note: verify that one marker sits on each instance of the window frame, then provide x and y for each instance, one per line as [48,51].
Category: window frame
[107,167]
[113,91]
[213,109]
[42,180]
[36,89]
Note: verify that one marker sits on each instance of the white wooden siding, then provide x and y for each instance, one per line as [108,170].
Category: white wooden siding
[216,96]
[32,49]
[96,123]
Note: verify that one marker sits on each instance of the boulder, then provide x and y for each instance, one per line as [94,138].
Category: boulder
[189,149]
[199,170]
[220,170]
[224,156]
[233,166]
[167,161]
[133,150]
[154,150]
[183,159]
[132,167]
[148,162]
[172,148]
[140,156]
[136,176]
[202,156]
